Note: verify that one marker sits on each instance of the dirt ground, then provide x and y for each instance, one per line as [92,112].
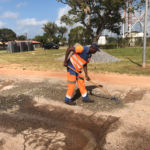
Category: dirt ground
[127,80]
[33,114]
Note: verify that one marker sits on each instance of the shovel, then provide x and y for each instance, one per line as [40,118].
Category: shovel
[112,97]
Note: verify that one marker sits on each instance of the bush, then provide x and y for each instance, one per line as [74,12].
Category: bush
[108,46]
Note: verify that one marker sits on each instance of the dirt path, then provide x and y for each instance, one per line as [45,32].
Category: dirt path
[138,81]
[34,116]
[3,51]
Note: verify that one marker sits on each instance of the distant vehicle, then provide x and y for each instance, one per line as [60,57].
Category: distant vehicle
[50,46]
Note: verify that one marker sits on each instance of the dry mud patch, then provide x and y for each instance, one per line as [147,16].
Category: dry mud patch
[39,127]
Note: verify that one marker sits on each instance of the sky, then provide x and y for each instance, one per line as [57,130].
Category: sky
[28,16]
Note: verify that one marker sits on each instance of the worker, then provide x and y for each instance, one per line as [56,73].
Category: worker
[80,57]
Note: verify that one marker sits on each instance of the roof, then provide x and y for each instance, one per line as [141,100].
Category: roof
[34,42]
[132,32]
[2,43]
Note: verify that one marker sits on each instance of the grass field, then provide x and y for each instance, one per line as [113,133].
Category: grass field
[3,50]
[131,62]
[44,60]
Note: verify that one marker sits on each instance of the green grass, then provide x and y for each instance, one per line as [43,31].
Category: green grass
[131,62]
[3,50]
[44,60]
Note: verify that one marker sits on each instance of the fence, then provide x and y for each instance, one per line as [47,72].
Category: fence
[113,42]
[2,48]
[108,46]
[87,41]
[128,42]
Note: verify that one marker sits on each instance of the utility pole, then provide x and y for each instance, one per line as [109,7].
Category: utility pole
[26,35]
[145,36]
[140,22]
[129,16]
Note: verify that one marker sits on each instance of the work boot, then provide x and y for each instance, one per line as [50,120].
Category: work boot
[88,101]
[71,103]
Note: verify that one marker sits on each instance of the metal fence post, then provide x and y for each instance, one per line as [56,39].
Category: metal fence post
[144,39]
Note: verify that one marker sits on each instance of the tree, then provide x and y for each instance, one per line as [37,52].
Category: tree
[80,32]
[56,39]
[38,38]
[42,39]
[7,35]
[79,35]
[51,29]
[21,37]
[96,15]
[59,38]
[62,30]
[111,40]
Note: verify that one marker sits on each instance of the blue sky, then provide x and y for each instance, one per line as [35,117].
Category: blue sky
[28,16]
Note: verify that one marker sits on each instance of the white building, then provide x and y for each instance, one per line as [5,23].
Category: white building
[140,34]
[134,36]
[102,40]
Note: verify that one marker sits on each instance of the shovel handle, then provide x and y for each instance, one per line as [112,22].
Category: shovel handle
[90,81]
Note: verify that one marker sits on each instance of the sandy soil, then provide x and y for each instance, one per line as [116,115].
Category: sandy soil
[32,108]
[138,81]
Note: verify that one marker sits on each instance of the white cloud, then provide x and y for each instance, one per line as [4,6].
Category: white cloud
[2,24]
[31,32]
[30,22]
[0,8]
[34,32]
[10,15]
[61,12]
[21,4]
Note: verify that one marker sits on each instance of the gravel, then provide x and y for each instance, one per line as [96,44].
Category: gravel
[49,91]
[103,57]
[99,57]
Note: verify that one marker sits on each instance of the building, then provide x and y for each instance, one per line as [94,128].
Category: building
[3,46]
[133,34]
[102,40]
[134,37]
[35,43]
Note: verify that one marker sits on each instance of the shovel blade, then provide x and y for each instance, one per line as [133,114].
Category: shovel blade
[115,99]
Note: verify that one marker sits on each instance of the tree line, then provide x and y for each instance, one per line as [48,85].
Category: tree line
[53,33]
[51,30]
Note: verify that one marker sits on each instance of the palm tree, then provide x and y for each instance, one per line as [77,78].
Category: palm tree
[51,29]
[62,30]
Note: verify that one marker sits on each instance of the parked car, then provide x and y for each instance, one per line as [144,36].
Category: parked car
[50,46]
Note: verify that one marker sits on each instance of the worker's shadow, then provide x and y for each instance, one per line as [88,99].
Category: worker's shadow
[77,94]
